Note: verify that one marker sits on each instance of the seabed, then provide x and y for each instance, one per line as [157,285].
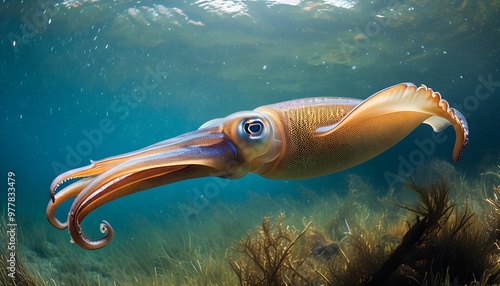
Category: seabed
[441,230]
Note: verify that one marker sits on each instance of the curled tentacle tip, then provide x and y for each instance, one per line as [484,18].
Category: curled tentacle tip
[104,226]
[81,240]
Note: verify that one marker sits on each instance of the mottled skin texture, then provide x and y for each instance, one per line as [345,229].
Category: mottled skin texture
[290,140]
[309,155]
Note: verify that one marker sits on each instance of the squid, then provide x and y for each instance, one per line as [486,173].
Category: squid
[295,139]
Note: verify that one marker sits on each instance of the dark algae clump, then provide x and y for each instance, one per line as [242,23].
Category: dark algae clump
[442,244]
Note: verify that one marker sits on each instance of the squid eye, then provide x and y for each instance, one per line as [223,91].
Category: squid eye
[254,128]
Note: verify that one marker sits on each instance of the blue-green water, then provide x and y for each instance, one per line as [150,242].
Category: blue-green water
[67,66]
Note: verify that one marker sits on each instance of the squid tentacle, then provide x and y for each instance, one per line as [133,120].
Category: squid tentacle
[301,138]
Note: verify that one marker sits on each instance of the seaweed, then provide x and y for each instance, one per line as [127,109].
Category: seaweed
[21,276]
[433,208]
[268,257]
[449,236]
[495,201]
[442,244]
